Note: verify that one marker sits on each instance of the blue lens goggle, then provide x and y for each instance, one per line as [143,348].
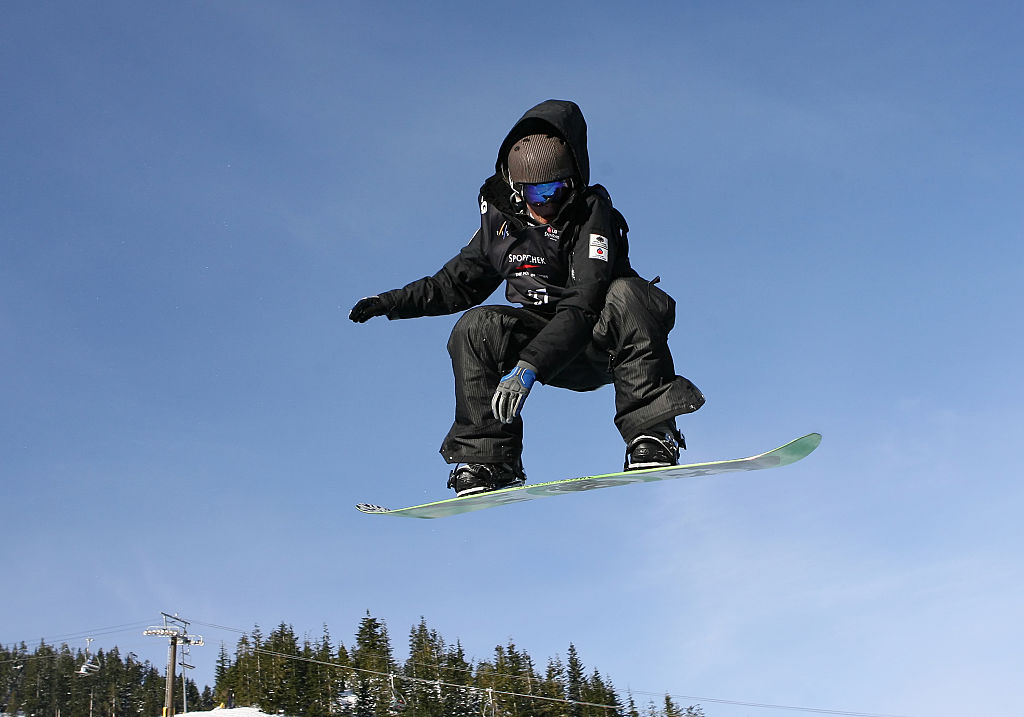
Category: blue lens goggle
[545,192]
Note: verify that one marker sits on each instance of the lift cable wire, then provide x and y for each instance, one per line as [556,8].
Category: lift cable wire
[714,700]
[763,705]
[219,627]
[127,627]
[692,698]
[738,703]
[419,680]
[30,658]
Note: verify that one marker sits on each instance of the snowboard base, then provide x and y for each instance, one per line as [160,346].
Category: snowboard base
[784,455]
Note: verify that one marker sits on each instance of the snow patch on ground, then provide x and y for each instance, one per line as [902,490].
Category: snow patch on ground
[225,712]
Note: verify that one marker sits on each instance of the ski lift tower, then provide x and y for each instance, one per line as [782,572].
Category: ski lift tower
[176,630]
[185,665]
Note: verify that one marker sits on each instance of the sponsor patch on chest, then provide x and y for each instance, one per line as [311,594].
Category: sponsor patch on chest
[598,247]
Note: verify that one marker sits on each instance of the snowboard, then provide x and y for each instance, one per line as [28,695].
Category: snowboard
[782,456]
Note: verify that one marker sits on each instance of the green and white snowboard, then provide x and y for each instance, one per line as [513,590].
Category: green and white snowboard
[789,453]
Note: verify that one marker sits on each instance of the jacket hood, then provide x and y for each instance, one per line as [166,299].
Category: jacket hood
[566,120]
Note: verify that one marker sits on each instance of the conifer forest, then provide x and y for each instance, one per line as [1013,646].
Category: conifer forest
[281,673]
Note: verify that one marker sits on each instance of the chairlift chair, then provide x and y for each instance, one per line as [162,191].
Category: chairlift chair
[398,702]
[90,666]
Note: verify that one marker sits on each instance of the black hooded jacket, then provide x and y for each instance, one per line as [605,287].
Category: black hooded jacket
[562,269]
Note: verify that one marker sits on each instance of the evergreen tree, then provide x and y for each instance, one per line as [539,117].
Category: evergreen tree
[375,689]
[12,675]
[37,698]
[221,675]
[105,686]
[631,710]
[139,686]
[553,688]
[574,682]
[241,683]
[206,700]
[460,700]
[345,680]
[322,681]
[671,709]
[50,681]
[258,682]
[514,674]
[149,700]
[190,691]
[281,675]
[424,692]
[599,691]
[485,681]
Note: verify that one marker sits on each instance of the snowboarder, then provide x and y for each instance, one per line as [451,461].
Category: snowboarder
[587,318]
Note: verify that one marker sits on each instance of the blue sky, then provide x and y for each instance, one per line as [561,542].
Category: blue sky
[194,193]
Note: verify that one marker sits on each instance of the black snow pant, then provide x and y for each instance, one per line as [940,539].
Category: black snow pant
[629,349]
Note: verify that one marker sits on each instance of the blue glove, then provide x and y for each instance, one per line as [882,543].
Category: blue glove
[512,392]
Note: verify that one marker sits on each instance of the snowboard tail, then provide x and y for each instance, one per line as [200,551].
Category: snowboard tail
[782,456]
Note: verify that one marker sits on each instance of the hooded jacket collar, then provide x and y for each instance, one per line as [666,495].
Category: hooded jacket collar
[562,117]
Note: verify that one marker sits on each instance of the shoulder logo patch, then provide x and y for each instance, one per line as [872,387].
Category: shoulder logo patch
[598,247]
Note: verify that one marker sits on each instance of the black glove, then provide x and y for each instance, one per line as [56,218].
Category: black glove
[365,309]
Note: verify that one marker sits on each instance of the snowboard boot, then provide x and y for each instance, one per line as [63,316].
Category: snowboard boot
[482,477]
[656,447]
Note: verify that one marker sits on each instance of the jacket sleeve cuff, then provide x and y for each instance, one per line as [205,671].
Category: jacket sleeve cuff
[391,301]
